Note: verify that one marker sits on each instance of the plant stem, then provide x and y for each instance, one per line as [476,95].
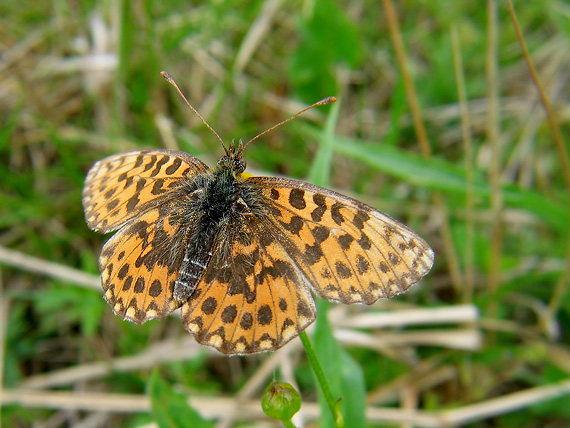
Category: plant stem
[317,368]
[288,424]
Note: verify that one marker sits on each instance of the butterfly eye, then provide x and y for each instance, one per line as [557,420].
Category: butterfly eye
[222,160]
[238,165]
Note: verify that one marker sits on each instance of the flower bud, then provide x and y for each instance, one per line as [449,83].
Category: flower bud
[280,401]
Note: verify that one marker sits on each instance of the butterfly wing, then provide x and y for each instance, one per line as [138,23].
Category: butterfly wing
[140,263]
[252,297]
[349,251]
[121,187]
[281,239]
[255,293]
[137,191]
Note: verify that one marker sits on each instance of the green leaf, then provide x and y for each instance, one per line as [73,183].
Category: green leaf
[329,38]
[321,166]
[398,106]
[170,408]
[61,303]
[345,376]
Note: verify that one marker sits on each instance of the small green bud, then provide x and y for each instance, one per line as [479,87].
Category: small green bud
[280,401]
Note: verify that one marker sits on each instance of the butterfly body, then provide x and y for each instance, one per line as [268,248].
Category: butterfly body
[239,255]
[211,203]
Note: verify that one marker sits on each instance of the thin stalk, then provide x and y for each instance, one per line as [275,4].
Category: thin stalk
[322,379]
[493,134]
[469,275]
[561,286]
[423,141]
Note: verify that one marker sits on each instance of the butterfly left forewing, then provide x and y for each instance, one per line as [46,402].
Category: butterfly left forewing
[121,187]
[349,251]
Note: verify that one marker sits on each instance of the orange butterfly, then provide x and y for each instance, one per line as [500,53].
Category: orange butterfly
[239,254]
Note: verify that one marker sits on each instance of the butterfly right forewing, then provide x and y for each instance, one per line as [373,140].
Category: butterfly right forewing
[350,252]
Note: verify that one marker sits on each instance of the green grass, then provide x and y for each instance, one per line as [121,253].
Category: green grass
[62,108]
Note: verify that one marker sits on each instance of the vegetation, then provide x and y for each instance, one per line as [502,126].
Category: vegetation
[440,122]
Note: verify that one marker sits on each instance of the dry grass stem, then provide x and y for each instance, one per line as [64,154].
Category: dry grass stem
[389,391]
[216,407]
[563,282]
[54,270]
[401,318]
[4,308]
[493,139]
[468,339]
[256,33]
[505,404]
[161,352]
[423,140]
[469,274]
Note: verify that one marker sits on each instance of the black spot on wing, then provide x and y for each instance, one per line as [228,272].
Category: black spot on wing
[336,215]
[132,203]
[304,310]
[155,289]
[157,187]
[123,271]
[139,159]
[317,213]
[364,241]
[128,283]
[345,241]
[320,233]
[264,315]
[139,285]
[112,205]
[246,321]
[174,167]
[360,218]
[141,183]
[294,226]
[209,306]
[362,265]
[150,164]
[159,164]
[297,199]
[343,270]
[313,253]
[229,314]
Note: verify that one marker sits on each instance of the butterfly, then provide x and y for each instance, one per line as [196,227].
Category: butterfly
[239,255]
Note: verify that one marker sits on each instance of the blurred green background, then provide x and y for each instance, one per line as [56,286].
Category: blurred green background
[485,186]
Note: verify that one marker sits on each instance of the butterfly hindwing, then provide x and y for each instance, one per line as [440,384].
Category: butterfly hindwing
[120,187]
[252,297]
[349,251]
[140,264]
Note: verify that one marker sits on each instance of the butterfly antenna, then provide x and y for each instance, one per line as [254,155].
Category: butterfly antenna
[327,100]
[170,80]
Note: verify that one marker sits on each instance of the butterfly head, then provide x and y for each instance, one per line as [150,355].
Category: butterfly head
[234,157]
